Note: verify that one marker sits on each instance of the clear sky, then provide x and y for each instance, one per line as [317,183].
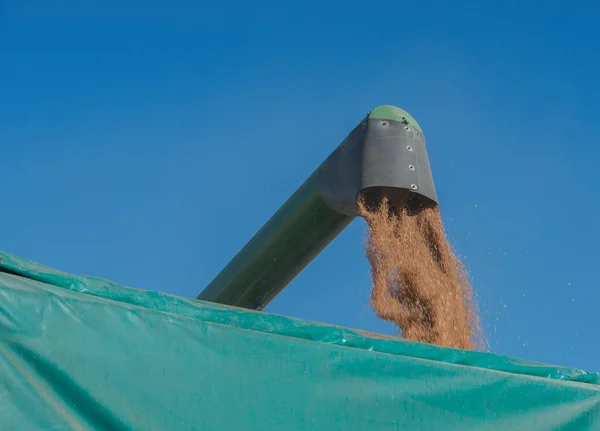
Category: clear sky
[146,142]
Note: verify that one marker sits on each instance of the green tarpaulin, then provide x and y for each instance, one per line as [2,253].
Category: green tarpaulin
[83,353]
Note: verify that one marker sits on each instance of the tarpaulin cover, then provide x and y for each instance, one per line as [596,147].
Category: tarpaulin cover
[83,353]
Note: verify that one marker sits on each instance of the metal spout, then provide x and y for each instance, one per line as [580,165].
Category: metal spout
[385,152]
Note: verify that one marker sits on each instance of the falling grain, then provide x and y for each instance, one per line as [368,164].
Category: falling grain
[418,282]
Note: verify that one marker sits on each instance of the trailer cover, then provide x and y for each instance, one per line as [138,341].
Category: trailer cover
[84,353]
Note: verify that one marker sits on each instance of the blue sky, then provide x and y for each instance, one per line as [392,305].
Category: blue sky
[148,143]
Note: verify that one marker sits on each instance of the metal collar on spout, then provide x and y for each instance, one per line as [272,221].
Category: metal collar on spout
[385,151]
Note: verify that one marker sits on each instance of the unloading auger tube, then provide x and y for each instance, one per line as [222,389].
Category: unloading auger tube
[384,155]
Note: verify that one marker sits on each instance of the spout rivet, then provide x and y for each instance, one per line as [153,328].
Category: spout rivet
[413,186]
[409,148]
[411,167]
[385,123]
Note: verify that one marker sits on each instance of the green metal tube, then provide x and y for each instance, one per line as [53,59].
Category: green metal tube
[370,157]
[295,234]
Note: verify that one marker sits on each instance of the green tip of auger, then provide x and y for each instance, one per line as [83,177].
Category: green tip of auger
[393,113]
